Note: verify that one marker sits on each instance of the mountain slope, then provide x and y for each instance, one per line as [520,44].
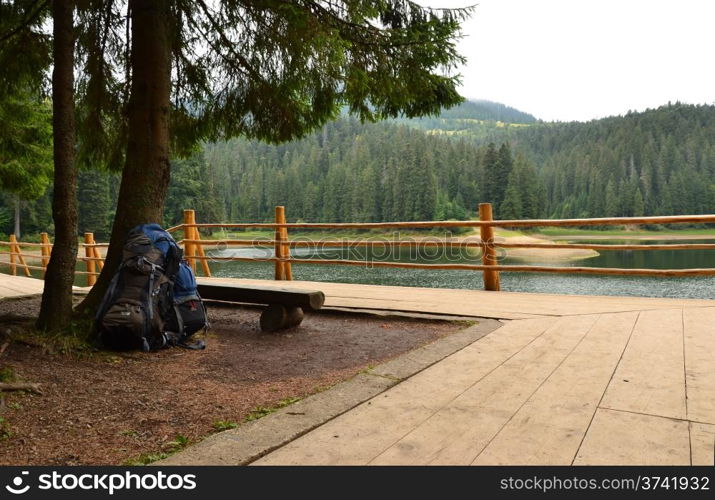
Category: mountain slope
[487,111]
[660,161]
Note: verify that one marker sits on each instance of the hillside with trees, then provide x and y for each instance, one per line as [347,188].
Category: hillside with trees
[475,119]
[657,162]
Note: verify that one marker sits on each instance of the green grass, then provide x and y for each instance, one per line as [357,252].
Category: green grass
[5,430]
[7,374]
[146,458]
[77,340]
[262,411]
[621,231]
[332,234]
[389,233]
[224,425]
[179,443]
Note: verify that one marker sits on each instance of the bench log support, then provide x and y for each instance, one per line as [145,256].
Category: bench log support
[285,306]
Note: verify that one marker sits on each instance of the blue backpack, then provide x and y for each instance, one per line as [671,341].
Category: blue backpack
[140,309]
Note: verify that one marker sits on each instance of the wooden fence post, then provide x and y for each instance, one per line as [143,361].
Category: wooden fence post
[285,249]
[46,250]
[283,269]
[17,257]
[13,267]
[279,273]
[89,263]
[199,247]
[489,256]
[189,235]
[95,253]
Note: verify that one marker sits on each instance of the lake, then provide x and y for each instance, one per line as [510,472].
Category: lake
[689,287]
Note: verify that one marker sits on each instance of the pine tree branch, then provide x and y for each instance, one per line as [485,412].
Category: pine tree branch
[246,69]
[353,28]
[27,22]
[242,60]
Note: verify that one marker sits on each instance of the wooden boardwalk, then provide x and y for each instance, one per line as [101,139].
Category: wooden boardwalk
[478,303]
[611,388]
[20,286]
[566,380]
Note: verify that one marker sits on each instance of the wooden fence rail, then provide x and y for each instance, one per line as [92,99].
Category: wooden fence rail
[195,252]
[612,221]
[448,243]
[92,258]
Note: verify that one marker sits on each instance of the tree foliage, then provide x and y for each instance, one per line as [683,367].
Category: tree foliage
[658,162]
[270,69]
[25,144]
[275,70]
[349,171]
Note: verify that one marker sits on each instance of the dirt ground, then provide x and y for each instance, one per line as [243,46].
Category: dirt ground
[113,408]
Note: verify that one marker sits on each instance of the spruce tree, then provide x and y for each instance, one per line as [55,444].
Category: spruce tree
[157,77]
[512,207]
[490,176]
[25,146]
[56,306]
[272,70]
[95,203]
[638,205]
[506,163]
[612,206]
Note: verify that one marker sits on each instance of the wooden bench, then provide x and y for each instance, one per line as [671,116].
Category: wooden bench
[285,306]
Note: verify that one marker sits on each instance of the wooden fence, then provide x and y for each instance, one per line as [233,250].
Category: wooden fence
[18,257]
[195,253]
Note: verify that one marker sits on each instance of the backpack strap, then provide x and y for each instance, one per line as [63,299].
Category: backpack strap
[206,313]
[179,320]
[108,295]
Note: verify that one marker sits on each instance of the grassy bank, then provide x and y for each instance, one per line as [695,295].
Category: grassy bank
[348,234]
[624,233]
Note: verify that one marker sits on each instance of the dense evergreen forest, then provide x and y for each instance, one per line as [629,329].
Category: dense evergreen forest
[659,161]
[656,162]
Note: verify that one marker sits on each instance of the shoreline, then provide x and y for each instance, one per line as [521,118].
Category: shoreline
[641,237]
[540,254]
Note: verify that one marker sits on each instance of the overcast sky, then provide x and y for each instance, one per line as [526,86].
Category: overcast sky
[584,59]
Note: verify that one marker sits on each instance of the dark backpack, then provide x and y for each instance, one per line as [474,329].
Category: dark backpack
[190,312]
[138,310]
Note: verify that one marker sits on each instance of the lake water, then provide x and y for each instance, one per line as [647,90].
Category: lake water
[691,287]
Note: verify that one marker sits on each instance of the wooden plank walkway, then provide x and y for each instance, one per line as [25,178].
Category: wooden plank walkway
[566,380]
[19,286]
[605,388]
[479,303]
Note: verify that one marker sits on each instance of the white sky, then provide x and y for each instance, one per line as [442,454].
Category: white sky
[584,59]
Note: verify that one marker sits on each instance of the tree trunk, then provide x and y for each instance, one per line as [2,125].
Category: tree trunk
[145,177]
[17,217]
[56,308]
